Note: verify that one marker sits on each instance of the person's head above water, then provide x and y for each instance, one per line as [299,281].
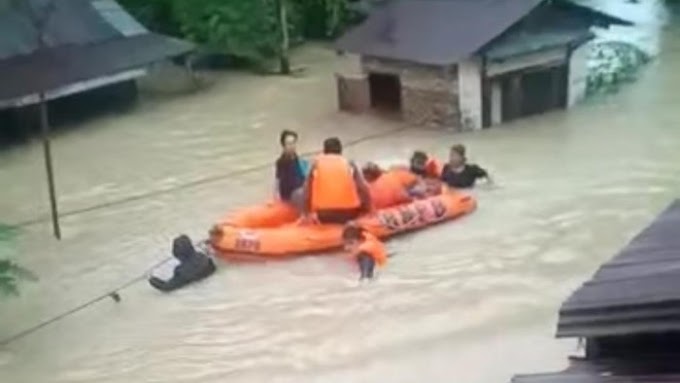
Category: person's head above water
[182,248]
[371,171]
[419,162]
[332,146]
[288,140]
[457,156]
[352,236]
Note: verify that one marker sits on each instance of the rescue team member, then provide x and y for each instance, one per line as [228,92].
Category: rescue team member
[365,249]
[424,165]
[392,187]
[335,191]
[193,266]
[458,173]
[291,171]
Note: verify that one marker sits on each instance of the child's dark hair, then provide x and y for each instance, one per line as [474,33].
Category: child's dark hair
[419,156]
[285,134]
[460,149]
[371,172]
[352,233]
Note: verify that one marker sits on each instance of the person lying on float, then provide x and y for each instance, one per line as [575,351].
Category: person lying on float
[193,266]
[395,186]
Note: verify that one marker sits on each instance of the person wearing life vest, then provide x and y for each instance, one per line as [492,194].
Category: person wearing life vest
[365,249]
[425,166]
[394,186]
[335,191]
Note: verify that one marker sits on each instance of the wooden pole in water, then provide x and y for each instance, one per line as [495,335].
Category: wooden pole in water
[47,151]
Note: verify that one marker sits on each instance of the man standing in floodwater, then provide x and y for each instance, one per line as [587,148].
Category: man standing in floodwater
[335,191]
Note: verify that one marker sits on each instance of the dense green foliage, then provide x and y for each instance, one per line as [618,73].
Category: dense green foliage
[10,273]
[246,29]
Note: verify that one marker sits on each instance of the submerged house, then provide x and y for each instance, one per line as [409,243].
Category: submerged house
[468,64]
[91,46]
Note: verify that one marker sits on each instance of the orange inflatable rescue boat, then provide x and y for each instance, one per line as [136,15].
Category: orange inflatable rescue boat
[272,231]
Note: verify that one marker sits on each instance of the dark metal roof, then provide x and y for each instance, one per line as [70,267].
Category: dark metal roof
[549,25]
[638,291]
[52,68]
[438,32]
[442,32]
[660,369]
[70,22]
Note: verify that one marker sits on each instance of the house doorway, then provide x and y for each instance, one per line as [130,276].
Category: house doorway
[385,90]
[533,92]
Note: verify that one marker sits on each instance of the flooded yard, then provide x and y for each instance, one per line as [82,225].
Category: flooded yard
[474,300]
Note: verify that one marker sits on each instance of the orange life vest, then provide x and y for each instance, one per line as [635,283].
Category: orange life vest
[390,188]
[333,186]
[373,247]
[433,168]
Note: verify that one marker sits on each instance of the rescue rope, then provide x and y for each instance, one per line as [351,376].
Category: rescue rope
[191,184]
[113,294]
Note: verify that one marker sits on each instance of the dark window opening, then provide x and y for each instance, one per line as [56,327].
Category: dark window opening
[385,92]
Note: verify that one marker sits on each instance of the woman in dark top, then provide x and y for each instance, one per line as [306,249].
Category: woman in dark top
[457,173]
[291,170]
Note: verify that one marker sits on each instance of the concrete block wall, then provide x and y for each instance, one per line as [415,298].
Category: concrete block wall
[429,94]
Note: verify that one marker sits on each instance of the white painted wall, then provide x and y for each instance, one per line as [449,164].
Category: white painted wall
[470,93]
[578,72]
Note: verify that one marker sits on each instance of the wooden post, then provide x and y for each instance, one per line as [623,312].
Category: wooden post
[45,132]
[284,62]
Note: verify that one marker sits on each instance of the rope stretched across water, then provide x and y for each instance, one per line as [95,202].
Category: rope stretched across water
[191,184]
[110,294]
[114,293]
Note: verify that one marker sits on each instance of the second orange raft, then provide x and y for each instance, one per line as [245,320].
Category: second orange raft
[271,230]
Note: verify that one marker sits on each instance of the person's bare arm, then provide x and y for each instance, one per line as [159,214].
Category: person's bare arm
[307,192]
[362,187]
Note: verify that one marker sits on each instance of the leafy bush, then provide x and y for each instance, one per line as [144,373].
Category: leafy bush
[10,272]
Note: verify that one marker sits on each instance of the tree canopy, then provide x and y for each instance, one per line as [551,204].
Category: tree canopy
[249,30]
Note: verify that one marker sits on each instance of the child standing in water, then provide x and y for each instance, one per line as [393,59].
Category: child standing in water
[457,173]
[365,249]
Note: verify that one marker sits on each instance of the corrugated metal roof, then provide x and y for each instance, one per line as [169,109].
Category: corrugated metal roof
[70,22]
[442,32]
[50,69]
[118,17]
[438,32]
[659,369]
[549,25]
[638,291]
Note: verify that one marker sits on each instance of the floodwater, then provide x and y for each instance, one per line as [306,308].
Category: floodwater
[474,300]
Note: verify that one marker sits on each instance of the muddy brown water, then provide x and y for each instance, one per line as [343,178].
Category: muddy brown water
[474,300]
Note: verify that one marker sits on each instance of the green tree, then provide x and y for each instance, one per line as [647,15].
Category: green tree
[10,272]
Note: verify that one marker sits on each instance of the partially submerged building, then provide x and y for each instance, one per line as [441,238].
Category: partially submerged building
[89,45]
[468,64]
